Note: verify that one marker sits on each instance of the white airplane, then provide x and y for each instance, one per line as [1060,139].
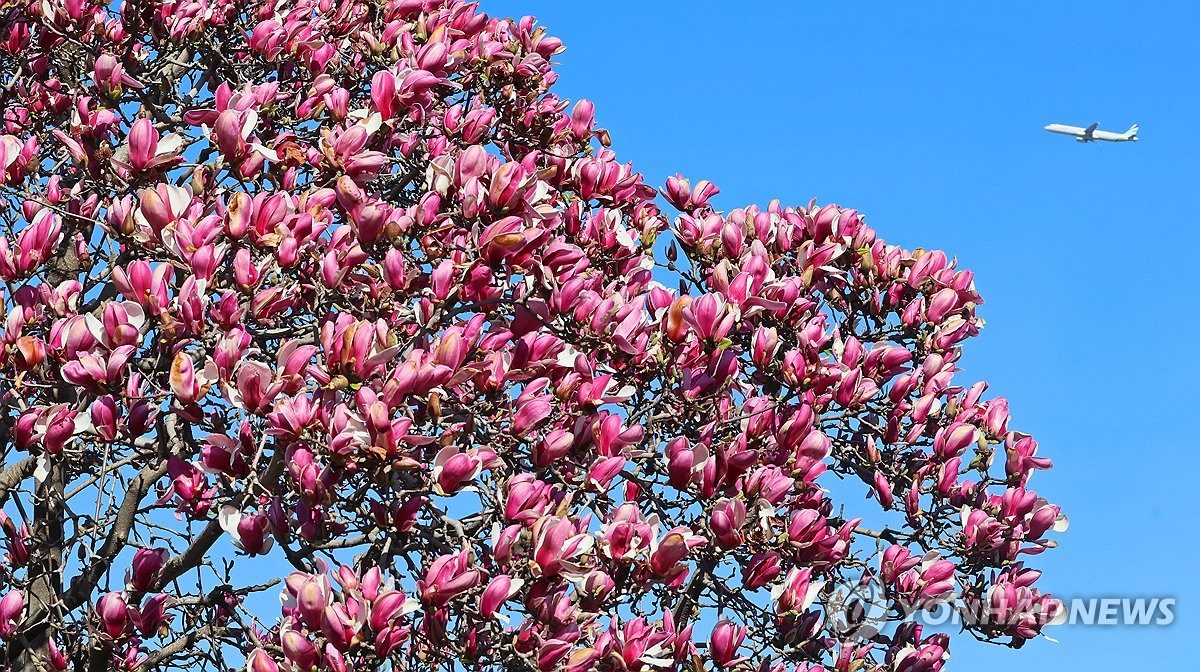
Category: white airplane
[1090,133]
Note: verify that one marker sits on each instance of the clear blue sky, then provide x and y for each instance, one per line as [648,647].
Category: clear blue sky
[928,117]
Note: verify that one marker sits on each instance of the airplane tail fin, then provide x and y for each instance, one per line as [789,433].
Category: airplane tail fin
[1132,132]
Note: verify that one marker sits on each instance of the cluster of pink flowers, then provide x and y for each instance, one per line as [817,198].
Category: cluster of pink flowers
[321,284]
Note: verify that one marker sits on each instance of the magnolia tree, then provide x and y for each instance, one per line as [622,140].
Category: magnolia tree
[337,303]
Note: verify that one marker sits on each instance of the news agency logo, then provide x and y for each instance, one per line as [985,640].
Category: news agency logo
[862,609]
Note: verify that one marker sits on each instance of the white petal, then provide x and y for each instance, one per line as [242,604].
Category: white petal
[229,519]
[43,468]
[249,123]
[170,144]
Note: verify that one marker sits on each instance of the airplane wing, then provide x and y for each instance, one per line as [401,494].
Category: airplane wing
[1087,132]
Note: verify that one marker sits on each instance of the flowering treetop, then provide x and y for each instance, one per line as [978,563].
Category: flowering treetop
[336,300]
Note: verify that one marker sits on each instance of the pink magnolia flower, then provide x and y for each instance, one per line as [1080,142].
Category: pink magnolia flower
[57,659]
[453,469]
[724,642]
[110,76]
[251,534]
[260,661]
[12,608]
[447,578]
[797,592]
[105,418]
[306,597]
[188,384]
[951,441]
[189,486]
[761,570]
[728,518]
[710,317]
[680,193]
[298,651]
[14,157]
[686,462]
[918,581]
[146,150]
[388,608]
[627,535]
[113,614]
[159,208]
[151,619]
[928,657]
[528,499]
[340,627]
[254,386]
[557,543]
[667,554]
[604,470]
[1021,458]
[147,564]
[35,244]
[150,287]
[498,591]
[54,427]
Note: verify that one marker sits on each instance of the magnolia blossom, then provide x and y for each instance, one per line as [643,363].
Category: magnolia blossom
[348,288]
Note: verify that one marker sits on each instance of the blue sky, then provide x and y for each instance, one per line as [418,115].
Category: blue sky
[928,118]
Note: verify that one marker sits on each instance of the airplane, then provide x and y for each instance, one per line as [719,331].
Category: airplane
[1090,133]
